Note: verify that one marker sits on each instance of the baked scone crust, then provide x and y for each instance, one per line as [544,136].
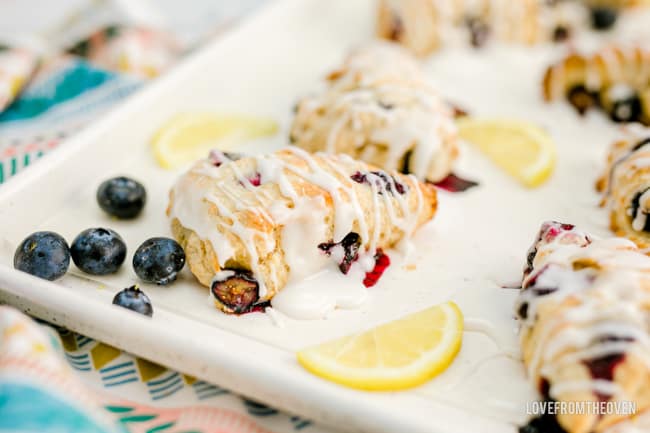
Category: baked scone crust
[584,333]
[424,26]
[624,181]
[377,107]
[599,76]
[225,222]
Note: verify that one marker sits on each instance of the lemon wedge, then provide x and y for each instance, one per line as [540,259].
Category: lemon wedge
[522,149]
[397,355]
[190,136]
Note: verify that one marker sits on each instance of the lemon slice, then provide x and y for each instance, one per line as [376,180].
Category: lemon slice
[522,149]
[401,354]
[190,136]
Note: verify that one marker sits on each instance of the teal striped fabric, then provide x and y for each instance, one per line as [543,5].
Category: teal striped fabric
[56,104]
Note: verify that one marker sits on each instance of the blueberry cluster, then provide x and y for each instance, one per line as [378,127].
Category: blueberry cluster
[102,251]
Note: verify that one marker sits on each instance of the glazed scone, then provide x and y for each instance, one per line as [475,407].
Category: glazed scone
[424,26]
[584,310]
[378,108]
[625,185]
[374,64]
[251,225]
[615,79]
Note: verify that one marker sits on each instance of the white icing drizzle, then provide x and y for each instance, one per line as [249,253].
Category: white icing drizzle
[404,127]
[380,99]
[606,316]
[300,217]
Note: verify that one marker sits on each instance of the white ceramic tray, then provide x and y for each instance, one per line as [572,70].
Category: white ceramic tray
[477,242]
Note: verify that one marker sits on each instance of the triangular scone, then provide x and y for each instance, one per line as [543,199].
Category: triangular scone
[584,310]
[251,225]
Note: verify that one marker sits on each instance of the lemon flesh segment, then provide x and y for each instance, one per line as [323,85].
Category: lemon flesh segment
[521,149]
[188,137]
[397,355]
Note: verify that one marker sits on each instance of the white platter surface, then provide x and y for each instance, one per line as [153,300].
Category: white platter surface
[476,244]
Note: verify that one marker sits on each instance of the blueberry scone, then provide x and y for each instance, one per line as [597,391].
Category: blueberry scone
[625,186]
[251,225]
[615,79]
[424,26]
[585,338]
[377,107]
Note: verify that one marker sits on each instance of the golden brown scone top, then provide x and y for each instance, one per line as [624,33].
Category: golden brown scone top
[246,214]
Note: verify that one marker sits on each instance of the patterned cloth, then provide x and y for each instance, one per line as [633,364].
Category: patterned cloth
[65,95]
[16,66]
[41,393]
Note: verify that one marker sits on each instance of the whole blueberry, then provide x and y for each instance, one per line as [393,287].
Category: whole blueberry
[627,109]
[158,260]
[43,254]
[603,18]
[121,197]
[134,299]
[98,251]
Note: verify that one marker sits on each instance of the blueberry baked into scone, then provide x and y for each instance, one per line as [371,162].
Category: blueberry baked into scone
[251,225]
[424,26]
[583,310]
[615,79]
[625,186]
[377,107]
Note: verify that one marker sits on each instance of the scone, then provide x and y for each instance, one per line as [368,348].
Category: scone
[251,225]
[625,185]
[424,26]
[584,310]
[615,79]
[377,107]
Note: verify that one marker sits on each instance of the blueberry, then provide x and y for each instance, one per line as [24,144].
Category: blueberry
[627,110]
[581,98]
[158,260]
[603,18]
[134,299]
[634,208]
[381,179]
[237,290]
[43,254]
[121,197]
[98,251]
[561,33]
[350,244]
[479,31]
